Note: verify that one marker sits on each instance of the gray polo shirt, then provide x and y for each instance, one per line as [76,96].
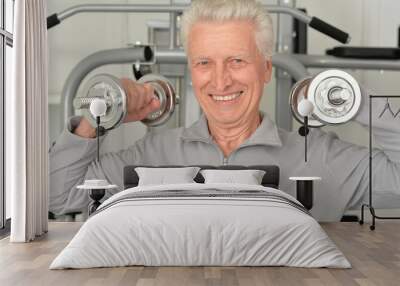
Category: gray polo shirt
[342,166]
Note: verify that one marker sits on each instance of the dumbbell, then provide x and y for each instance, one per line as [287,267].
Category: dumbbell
[331,97]
[109,89]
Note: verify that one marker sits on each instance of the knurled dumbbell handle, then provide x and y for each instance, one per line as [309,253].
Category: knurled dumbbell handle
[84,102]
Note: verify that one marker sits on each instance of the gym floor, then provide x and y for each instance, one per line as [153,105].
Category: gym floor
[374,255]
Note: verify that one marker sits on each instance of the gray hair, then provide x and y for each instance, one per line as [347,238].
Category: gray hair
[228,10]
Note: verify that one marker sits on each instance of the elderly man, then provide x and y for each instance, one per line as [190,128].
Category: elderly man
[229,46]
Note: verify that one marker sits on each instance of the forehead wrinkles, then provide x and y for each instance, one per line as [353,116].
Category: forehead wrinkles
[222,38]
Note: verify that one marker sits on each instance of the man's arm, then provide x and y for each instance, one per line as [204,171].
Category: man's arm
[344,166]
[386,157]
[385,162]
[72,160]
[72,157]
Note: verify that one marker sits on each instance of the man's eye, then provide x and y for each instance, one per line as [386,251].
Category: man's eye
[203,63]
[237,62]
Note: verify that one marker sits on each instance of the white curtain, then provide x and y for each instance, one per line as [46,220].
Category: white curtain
[26,123]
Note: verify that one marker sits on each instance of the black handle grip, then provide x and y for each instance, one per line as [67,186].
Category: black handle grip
[148,53]
[329,30]
[52,21]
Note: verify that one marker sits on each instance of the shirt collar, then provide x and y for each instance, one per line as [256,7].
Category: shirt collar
[265,134]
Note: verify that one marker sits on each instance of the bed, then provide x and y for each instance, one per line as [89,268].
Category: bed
[201,224]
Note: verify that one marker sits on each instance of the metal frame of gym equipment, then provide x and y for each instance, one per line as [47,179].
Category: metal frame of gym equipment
[295,64]
[133,54]
[286,7]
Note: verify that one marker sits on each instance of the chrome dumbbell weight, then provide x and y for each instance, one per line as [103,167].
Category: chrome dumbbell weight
[331,97]
[334,94]
[109,89]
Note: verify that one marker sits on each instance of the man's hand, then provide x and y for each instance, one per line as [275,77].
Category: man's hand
[85,129]
[140,102]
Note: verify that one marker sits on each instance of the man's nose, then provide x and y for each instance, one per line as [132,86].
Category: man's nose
[221,77]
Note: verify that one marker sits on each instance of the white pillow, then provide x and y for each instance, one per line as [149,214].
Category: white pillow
[248,177]
[163,176]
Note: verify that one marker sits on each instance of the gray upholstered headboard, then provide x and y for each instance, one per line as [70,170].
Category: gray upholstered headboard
[270,179]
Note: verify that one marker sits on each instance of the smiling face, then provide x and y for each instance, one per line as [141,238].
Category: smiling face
[228,71]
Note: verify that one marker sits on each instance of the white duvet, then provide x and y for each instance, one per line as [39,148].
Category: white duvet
[181,231]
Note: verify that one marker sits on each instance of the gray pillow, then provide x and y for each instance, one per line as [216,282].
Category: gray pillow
[163,176]
[248,177]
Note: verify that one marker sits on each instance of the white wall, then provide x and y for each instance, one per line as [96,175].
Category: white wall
[369,22]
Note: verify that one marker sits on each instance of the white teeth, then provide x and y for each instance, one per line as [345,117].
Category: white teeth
[225,98]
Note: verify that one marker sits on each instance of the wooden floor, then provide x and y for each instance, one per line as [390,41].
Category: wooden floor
[375,256]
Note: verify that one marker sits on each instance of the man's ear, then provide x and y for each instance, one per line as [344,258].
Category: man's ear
[268,70]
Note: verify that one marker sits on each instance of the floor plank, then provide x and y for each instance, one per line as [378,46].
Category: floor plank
[374,255]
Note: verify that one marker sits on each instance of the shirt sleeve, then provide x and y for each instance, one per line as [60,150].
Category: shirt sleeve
[344,167]
[385,156]
[72,160]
